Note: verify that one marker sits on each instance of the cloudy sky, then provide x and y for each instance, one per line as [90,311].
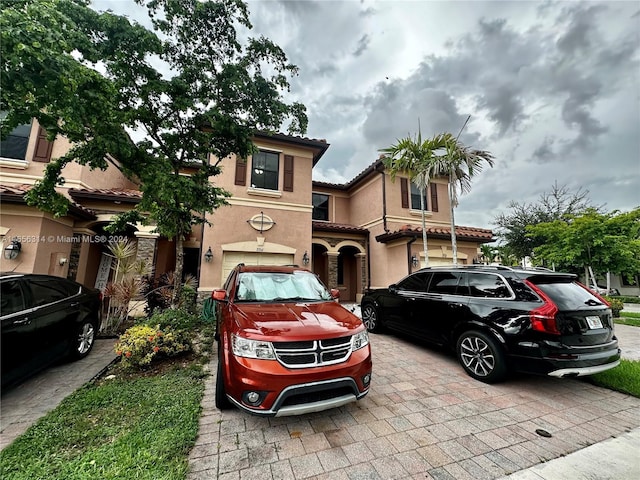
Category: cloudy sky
[552,88]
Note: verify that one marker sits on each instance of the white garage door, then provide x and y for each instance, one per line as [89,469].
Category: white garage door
[231,259]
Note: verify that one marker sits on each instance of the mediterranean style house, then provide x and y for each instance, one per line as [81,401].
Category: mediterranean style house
[363,234]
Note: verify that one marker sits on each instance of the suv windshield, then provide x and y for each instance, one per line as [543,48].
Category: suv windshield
[569,295]
[276,286]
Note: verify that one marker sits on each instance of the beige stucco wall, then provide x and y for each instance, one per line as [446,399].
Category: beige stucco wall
[291,212]
[45,240]
[75,175]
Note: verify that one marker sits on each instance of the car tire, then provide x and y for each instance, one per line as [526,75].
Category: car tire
[481,356]
[222,402]
[371,318]
[83,340]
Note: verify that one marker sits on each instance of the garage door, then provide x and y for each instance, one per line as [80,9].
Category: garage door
[231,259]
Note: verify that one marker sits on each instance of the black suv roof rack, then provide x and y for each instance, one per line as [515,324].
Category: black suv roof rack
[492,267]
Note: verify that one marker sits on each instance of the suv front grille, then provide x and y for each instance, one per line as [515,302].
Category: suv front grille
[313,353]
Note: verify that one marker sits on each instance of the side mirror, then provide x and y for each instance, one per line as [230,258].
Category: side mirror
[219,295]
[335,293]
[393,288]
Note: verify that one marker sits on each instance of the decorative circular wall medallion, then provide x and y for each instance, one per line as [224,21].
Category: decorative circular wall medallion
[261,222]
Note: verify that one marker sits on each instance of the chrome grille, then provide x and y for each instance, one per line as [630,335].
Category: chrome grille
[313,353]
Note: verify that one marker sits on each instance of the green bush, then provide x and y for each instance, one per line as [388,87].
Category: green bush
[140,345]
[627,299]
[616,305]
[178,318]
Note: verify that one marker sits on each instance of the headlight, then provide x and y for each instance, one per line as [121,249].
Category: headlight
[360,340]
[243,347]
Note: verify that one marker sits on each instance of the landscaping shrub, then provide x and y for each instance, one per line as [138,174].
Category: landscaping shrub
[142,344]
[178,319]
[616,305]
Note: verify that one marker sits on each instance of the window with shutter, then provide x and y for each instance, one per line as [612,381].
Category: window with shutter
[415,199]
[404,192]
[14,146]
[241,171]
[42,152]
[288,173]
[434,197]
[264,170]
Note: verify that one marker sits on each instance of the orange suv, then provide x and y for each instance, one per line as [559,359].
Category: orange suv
[285,346]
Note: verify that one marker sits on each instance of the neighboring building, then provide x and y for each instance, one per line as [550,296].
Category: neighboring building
[362,234]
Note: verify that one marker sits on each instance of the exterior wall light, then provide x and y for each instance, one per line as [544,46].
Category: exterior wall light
[414,261]
[208,256]
[12,250]
[305,258]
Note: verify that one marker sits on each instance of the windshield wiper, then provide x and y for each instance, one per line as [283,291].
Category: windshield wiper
[294,299]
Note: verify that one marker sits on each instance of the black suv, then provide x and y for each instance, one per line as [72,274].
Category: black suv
[499,319]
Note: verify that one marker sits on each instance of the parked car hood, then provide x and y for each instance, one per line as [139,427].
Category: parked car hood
[295,321]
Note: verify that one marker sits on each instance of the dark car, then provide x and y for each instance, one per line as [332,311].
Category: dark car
[498,319]
[44,319]
[285,347]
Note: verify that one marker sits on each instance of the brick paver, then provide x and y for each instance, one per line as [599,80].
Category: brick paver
[424,418]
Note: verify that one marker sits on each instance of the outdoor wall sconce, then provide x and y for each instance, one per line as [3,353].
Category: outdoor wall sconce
[12,250]
[305,258]
[414,261]
[208,256]
[62,261]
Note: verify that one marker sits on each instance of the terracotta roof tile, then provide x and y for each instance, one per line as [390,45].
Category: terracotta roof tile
[16,194]
[337,227]
[482,234]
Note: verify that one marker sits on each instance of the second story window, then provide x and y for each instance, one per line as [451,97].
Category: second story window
[415,198]
[320,206]
[264,170]
[14,146]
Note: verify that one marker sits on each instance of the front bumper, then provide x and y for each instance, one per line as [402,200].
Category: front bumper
[297,391]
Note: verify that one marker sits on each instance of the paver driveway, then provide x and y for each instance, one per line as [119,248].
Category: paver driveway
[423,418]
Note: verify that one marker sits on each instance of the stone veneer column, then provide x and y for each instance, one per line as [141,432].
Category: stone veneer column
[147,249]
[361,275]
[333,269]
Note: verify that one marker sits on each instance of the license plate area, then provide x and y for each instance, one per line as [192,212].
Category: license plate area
[593,322]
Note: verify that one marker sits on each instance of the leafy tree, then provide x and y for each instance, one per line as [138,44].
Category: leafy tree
[188,86]
[557,204]
[415,158]
[606,242]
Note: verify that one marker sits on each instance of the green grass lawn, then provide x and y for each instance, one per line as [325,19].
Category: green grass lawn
[624,378]
[130,427]
[629,318]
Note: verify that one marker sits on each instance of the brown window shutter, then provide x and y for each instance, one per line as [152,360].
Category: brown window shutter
[241,171]
[404,192]
[42,153]
[434,197]
[288,173]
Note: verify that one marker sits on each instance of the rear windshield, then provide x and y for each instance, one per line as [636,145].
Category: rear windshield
[568,295]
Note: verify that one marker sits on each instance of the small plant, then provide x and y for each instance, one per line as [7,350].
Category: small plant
[616,305]
[178,319]
[142,344]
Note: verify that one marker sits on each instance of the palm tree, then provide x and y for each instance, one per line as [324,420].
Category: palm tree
[413,157]
[460,164]
[488,253]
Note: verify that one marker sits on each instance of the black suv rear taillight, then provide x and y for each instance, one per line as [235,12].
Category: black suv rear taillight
[543,318]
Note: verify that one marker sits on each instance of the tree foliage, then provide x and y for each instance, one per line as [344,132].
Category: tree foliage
[606,242]
[442,155]
[188,87]
[559,203]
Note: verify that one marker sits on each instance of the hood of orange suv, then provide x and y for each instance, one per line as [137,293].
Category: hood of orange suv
[286,321]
